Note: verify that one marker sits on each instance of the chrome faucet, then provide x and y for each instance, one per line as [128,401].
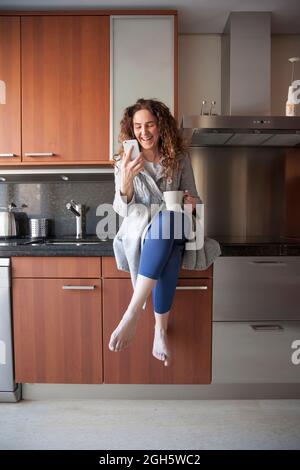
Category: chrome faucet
[78,210]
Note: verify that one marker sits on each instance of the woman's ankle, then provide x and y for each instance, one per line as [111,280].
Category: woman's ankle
[131,314]
[161,329]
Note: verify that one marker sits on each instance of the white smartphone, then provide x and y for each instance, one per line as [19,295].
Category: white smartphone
[131,143]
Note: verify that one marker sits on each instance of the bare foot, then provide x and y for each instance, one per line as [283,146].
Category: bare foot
[160,346]
[123,334]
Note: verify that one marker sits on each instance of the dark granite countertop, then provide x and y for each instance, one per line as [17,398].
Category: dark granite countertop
[259,246]
[91,246]
[66,246]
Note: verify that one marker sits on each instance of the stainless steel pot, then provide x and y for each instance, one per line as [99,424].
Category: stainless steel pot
[8,226]
[38,227]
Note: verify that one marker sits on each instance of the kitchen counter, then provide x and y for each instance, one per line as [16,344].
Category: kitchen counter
[259,246]
[68,246]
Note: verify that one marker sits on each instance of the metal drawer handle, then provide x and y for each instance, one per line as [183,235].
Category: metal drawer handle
[7,155]
[266,327]
[268,263]
[45,154]
[192,288]
[78,287]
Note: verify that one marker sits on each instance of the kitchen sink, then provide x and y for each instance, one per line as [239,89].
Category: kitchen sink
[78,242]
[74,243]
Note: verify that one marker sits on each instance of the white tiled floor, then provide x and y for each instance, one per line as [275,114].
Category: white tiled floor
[150,424]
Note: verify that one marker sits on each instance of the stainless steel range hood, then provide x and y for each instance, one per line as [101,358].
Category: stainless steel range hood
[245,91]
[269,131]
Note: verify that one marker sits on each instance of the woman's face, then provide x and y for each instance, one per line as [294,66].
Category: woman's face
[146,130]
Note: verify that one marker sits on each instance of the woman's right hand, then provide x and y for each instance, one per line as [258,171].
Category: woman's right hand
[129,169]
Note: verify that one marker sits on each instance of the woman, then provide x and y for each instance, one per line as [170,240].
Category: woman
[153,261]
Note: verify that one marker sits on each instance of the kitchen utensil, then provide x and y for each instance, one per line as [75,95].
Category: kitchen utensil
[38,227]
[8,226]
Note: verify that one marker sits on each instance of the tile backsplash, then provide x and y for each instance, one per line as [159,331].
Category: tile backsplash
[49,199]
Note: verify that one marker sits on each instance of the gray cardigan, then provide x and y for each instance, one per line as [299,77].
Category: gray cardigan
[137,215]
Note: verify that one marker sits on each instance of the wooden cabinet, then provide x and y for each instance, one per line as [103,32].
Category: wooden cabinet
[189,332]
[68,78]
[10,106]
[57,320]
[65,89]
[61,336]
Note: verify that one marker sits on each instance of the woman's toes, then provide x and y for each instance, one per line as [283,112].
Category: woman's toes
[155,354]
[167,362]
[158,355]
[112,343]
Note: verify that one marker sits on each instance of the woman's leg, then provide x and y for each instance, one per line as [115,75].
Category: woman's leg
[156,251]
[162,297]
[161,350]
[125,330]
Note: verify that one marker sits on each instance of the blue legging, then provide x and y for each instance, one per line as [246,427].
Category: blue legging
[161,256]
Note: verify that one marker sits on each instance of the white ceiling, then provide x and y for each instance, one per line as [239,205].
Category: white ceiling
[195,16]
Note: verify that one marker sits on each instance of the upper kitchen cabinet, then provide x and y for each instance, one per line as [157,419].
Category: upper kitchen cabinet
[65,89]
[143,64]
[10,118]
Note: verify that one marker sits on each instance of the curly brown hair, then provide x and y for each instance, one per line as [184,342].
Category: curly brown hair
[170,144]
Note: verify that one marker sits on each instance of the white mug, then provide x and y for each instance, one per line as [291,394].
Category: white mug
[173,200]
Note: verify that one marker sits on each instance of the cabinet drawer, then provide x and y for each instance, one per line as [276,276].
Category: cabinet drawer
[256,288]
[41,266]
[189,273]
[256,352]
[110,270]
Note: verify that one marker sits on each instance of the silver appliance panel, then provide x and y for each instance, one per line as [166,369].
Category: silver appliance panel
[233,131]
[256,288]
[255,352]
[9,391]
[242,189]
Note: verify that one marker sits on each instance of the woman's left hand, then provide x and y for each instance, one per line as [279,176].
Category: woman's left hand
[190,201]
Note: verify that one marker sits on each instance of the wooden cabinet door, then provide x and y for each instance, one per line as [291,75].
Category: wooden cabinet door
[57,332]
[65,88]
[10,105]
[189,333]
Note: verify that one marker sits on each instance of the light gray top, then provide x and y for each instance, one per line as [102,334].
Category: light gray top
[153,169]
[148,190]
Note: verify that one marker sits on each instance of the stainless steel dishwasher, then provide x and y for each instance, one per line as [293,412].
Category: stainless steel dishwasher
[9,390]
[256,319]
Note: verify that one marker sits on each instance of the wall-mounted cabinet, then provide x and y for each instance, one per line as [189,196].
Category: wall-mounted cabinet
[68,77]
[10,105]
[143,64]
[65,83]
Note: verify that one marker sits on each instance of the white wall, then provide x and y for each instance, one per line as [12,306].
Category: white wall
[199,72]
[283,46]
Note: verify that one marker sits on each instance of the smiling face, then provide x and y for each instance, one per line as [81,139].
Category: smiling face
[146,130]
